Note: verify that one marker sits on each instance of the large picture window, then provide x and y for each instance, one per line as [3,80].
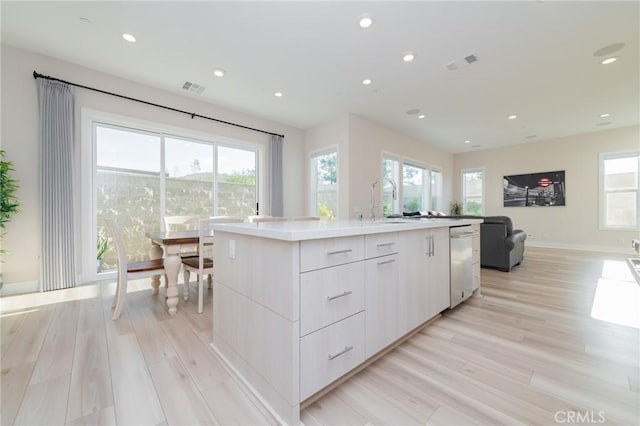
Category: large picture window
[419,186]
[620,191]
[141,176]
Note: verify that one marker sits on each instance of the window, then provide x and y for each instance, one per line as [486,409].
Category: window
[472,192]
[419,187]
[139,176]
[324,183]
[620,191]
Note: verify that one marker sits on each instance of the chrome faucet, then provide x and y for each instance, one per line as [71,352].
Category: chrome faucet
[373,197]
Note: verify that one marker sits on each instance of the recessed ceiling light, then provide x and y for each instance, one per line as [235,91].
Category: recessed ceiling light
[606,114]
[421,116]
[366,82]
[530,137]
[85,20]
[218,72]
[365,21]
[413,111]
[278,94]
[408,57]
[609,60]
[129,38]
[467,141]
[513,117]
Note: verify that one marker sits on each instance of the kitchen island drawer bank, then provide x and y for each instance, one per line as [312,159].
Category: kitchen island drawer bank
[297,305]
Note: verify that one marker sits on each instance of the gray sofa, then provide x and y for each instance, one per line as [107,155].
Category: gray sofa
[501,246]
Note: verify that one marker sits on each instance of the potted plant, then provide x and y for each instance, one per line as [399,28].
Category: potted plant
[9,204]
[455,208]
[101,249]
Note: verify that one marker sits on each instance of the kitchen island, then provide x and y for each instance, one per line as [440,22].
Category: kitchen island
[297,305]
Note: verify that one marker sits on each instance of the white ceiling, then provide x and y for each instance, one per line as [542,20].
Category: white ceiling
[535,59]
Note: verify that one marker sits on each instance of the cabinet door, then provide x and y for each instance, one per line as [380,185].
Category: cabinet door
[438,272]
[414,279]
[381,306]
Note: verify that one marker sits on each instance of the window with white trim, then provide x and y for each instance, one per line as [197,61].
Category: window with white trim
[139,175]
[620,191]
[473,192]
[419,187]
[324,183]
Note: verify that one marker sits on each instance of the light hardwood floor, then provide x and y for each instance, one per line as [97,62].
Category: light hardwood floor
[528,352]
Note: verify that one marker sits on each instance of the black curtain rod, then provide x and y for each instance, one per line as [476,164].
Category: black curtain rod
[37,75]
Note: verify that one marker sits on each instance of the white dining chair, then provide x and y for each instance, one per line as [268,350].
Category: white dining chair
[187,272]
[203,263]
[265,218]
[304,218]
[128,271]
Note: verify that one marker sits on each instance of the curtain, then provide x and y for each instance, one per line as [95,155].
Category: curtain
[57,269]
[276,191]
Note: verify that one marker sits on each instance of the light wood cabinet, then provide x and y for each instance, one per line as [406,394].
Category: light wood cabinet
[382,308]
[475,267]
[330,294]
[293,315]
[424,276]
[331,352]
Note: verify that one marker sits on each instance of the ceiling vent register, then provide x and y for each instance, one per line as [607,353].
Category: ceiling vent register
[461,63]
[193,87]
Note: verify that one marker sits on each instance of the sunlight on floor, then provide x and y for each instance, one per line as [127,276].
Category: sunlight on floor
[86,291]
[617,297]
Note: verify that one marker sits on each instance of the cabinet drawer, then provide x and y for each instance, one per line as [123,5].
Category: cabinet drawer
[329,295]
[376,245]
[329,353]
[316,254]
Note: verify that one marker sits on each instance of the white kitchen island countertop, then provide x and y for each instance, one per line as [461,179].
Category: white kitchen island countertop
[313,230]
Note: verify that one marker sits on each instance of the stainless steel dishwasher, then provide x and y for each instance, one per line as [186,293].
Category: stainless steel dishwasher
[461,261]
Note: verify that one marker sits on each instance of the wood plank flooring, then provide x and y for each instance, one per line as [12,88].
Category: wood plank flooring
[528,352]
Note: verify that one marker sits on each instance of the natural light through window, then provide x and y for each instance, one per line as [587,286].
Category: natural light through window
[617,296]
[620,190]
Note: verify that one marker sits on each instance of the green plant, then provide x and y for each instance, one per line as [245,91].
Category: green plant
[455,208]
[9,204]
[102,247]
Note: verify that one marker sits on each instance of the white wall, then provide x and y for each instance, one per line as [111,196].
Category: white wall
[19,116]
[574,226]
[367,141]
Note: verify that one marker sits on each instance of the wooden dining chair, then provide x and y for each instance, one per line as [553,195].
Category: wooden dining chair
[203,263]
[128,271]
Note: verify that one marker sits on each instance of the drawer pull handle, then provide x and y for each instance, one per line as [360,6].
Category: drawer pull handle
[386,261]
[385,244]
[329,253]
[337,296]
[342,352]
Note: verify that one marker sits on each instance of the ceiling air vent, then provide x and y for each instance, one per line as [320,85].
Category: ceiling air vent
[193,87]
[460,63]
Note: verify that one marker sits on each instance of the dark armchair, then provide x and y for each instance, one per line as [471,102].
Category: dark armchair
[501,247]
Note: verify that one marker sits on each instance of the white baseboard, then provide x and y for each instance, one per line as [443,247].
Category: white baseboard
[21,287]
[581,247]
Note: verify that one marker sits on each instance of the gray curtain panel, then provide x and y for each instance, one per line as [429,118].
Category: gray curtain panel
[276,192]
[57,269]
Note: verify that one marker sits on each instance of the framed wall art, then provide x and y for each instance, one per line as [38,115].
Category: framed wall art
[546,189]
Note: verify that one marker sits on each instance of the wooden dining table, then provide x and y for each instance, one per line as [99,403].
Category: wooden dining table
[172,242]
